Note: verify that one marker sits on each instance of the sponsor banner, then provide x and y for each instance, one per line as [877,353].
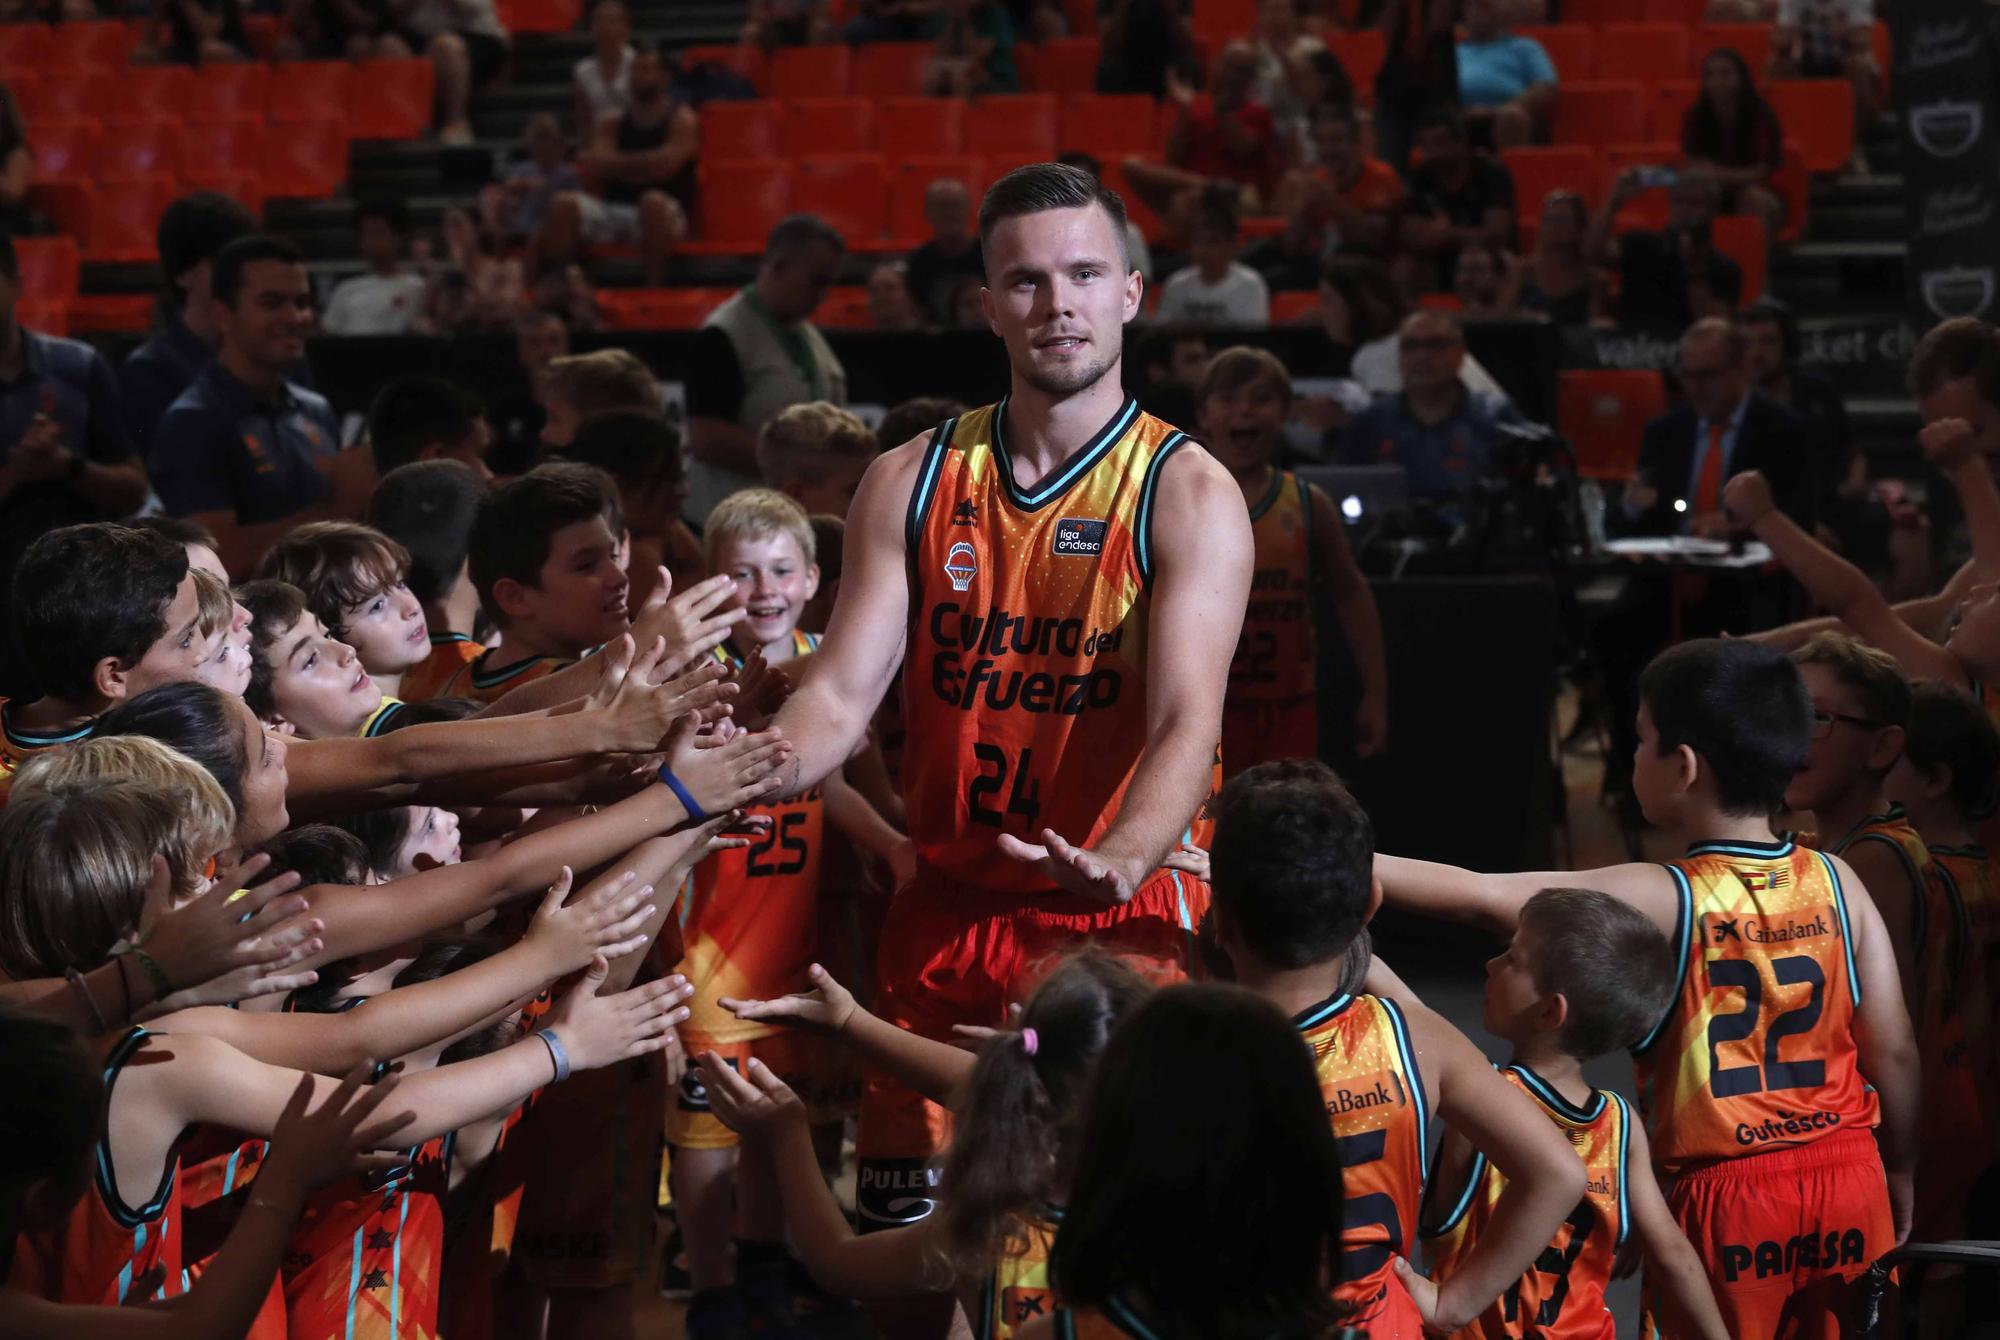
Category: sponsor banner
[1865,355]
[1943,81]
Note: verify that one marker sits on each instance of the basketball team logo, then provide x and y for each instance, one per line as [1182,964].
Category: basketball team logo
[1963,290]
[961,564]
[1947,128]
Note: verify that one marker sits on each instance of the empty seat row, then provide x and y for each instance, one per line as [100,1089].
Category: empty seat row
[1590,172]
[1816,114]
[303,159]
[1026,123]
[376,99]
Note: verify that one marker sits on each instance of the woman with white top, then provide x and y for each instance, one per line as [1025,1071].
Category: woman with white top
[602,81]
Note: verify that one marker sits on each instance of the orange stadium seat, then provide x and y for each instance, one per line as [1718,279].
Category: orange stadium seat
[1081,16]
[909,178]
[222,91]
[1818,116]
[390,99]
[105,43]
[265,33]
[658,308]
[741,130]
[126,216]
[828,126]
[540,16]
[110,312]
[1744,239]
[891,69]
[1600,113]
[810,72]
[1643,51]
[246,188]
[135,147]
[1751,41]
[69,94]
[1688,12]
[1598,12]
[24,48]
[744,59]
[1537,171]
[51,268]
[1883,47]
[1295,307]
[66,149]
[232,145]
[1067,65]
[1572,48]
[306,160]
[916,127]
[1216,21]
[845,307]
[1108,124]
[1360,53]
[1671,100]
[313,90]
[849,191]
[1604,415]
[1014,123]
[69,204]
[155,88]
[741,201]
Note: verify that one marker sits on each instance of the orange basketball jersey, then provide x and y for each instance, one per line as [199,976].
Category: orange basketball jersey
[480,678]
[1017,1291]
[1274,657]
[752,924]
[367,1258]
[1756,1051]
[1025,681]
[1892,829]
[108,1252]
[1562,1296]
[450,653]
[1381,1119]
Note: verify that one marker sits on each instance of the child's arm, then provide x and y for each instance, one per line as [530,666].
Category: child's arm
[892,1264]
[1672,1268]
[358,918]
[849,811]
[933,1069]
[1493,902]
[307,1148]
[1887,1045]
[1544,1176]
[1360,623]
[1927,614]
[560,940]
[1949,445]
[1835,583]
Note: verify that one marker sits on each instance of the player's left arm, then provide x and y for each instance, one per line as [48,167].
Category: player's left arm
[1679,1280]
[1360,622]
[1887,1044]
[1201,587]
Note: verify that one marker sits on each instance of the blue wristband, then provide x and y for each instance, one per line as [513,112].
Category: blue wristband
[681,793]
[556,1053]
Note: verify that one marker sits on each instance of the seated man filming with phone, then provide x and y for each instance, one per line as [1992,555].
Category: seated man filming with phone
[1675,277]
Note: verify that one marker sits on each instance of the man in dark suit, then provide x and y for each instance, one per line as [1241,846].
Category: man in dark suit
[1723,428]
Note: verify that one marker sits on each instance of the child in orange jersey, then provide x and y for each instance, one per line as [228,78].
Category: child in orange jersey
[1205,1133]
[1584,974]
[1948,783]
[55,1089]
[1292,897]
[1781,1085]
[1018,1105]
[427,507]
[1860,707]
[1271,707]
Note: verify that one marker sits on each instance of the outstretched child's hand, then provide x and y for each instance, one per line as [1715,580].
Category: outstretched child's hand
[229,943]
[641,715]
[755,1104]
[1747,499]
[827,1008]
[761,690]
[312,1147]
[691,622]
[597,1031]
[726,776]
[609,919]
[1947,443]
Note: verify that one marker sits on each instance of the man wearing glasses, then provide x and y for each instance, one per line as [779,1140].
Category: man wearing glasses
[1439,430]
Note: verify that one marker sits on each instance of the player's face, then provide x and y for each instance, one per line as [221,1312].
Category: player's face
[433,841]
[176,656]
[1240,426]
[1512,998]
[581,600]
[387,630]
[1059,296]
[773,582]
[263,815]
[1959,398]
[1975,636]
[318,683]
[1843,749]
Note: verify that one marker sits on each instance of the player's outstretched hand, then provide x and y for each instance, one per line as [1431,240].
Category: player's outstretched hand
[757,1103]
[1076,870]
[1747,499]
[598,1031]
[230,943]
[1189,860]
[827,1008]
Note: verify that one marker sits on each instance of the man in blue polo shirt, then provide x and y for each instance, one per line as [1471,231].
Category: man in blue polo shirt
[64,457]
[244,451]
[1438,429]
[1506,82]
[192,231]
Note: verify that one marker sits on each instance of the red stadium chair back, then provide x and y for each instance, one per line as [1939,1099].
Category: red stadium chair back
[69,94]
[1667,115]
[1604,416]
[1536,172]
[744,59]
[1818,116]
[138,147]
[1014,124]
[738,130]
[222,91]
[845,307]
[1572,48]
[741,202]
[891,69]
[390,99]
[1642,51]
[1295,307]
[126,216]
[24,48]
[1108,125]
[1745,239]
[849,191]
[909,178]
[305,160]
[1361,54]
[1600,113]
[919,127]
[1751,41]
[51,267]
[540,16]
[102,43]
[313,90]
[110,312]
[658,308]
[1217,21]
[811,72]
[66,150]
[157,88]
[1687,13]
[1597,13]
[246,188]
[1067,65]
[814,126]
[70,204]
[235,145]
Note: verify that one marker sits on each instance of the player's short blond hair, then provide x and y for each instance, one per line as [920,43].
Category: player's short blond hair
[795,440]
[757,514]
[600,380]
[201,818]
